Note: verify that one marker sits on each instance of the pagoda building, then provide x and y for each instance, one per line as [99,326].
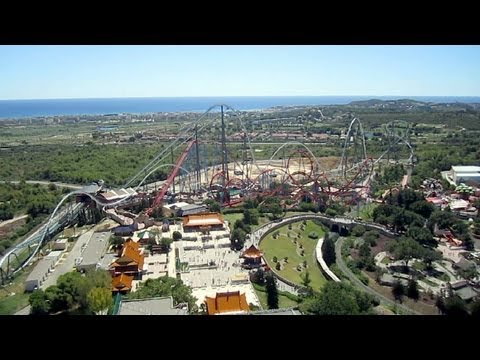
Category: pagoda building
[252,257]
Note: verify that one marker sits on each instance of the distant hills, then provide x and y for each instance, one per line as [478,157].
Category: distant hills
[410,104]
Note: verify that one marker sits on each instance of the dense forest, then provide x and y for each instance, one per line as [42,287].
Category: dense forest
[76,164]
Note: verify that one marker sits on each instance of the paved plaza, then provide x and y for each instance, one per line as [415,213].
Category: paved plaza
[213,267]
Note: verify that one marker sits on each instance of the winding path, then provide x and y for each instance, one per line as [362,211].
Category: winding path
[351,276]
[59,184]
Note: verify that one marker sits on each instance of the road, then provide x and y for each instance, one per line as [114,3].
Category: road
[68,260]
[59,184]
[6,222]
[343,267]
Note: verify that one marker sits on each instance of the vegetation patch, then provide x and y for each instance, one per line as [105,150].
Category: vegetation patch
[283,247]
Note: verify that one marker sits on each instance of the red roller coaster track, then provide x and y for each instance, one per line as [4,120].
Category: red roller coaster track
[171,177]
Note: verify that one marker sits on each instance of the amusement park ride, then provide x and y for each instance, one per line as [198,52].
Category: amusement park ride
[202,170]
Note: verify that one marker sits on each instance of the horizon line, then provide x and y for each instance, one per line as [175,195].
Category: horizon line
[236,96]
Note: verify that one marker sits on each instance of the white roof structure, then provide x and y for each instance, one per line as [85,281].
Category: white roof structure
[466,169]
[177,205]
[459,204]
[116,194]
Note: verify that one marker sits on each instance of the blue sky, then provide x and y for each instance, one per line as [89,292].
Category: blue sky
[45,72]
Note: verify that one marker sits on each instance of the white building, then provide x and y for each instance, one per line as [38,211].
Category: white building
[60,244]
[464,174]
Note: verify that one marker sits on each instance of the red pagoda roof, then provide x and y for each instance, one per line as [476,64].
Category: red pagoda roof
[252,252]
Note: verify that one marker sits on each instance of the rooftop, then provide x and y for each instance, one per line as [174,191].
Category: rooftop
[152,306]
[466,169]
[122,282]
[54,254]
[206,219]
[192,206]
[227,302]
[277,312]
[90,189]
[177,205]
[466,293]
[115,194]
[252,252]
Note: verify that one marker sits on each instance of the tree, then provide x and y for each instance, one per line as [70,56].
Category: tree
[364,250]
[358,230]
[177,235]
[258,276]
[59,300]
[455,306]
[328,251]
[468,273]
[412,290]
[429,256]
[306,279]
[276,210]
[166,286]
[406,249]
[38,303]
[238,238]
[371,237]
[94,278]
[117,241]
[250,217]
[335,299]
[99,300]
[250,204]
[475,309]
[213,205]
[166,242]
[423,208]
[272,292]
[421,235]
[398,291]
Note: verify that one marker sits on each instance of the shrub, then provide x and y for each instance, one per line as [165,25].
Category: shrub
[277,266]
[275,259]
[358,230]
[313,235]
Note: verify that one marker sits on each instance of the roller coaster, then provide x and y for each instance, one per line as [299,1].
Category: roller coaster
[207,169]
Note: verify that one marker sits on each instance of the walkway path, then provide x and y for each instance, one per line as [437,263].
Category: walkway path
[6,222]
[343,267]
[323,264]
[59,184]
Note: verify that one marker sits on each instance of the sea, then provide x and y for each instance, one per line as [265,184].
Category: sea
[57,107]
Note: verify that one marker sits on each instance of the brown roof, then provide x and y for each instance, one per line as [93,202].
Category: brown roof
[205,219]
[130,257]
[132,244]
[252,252]
[226,302]
[122,282]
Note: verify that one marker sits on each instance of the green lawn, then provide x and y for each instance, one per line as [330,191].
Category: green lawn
[431,283]
[283,301]
[419,266]
[9,304]
[367,210]
[231,218]
[386,260]
[284,247]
